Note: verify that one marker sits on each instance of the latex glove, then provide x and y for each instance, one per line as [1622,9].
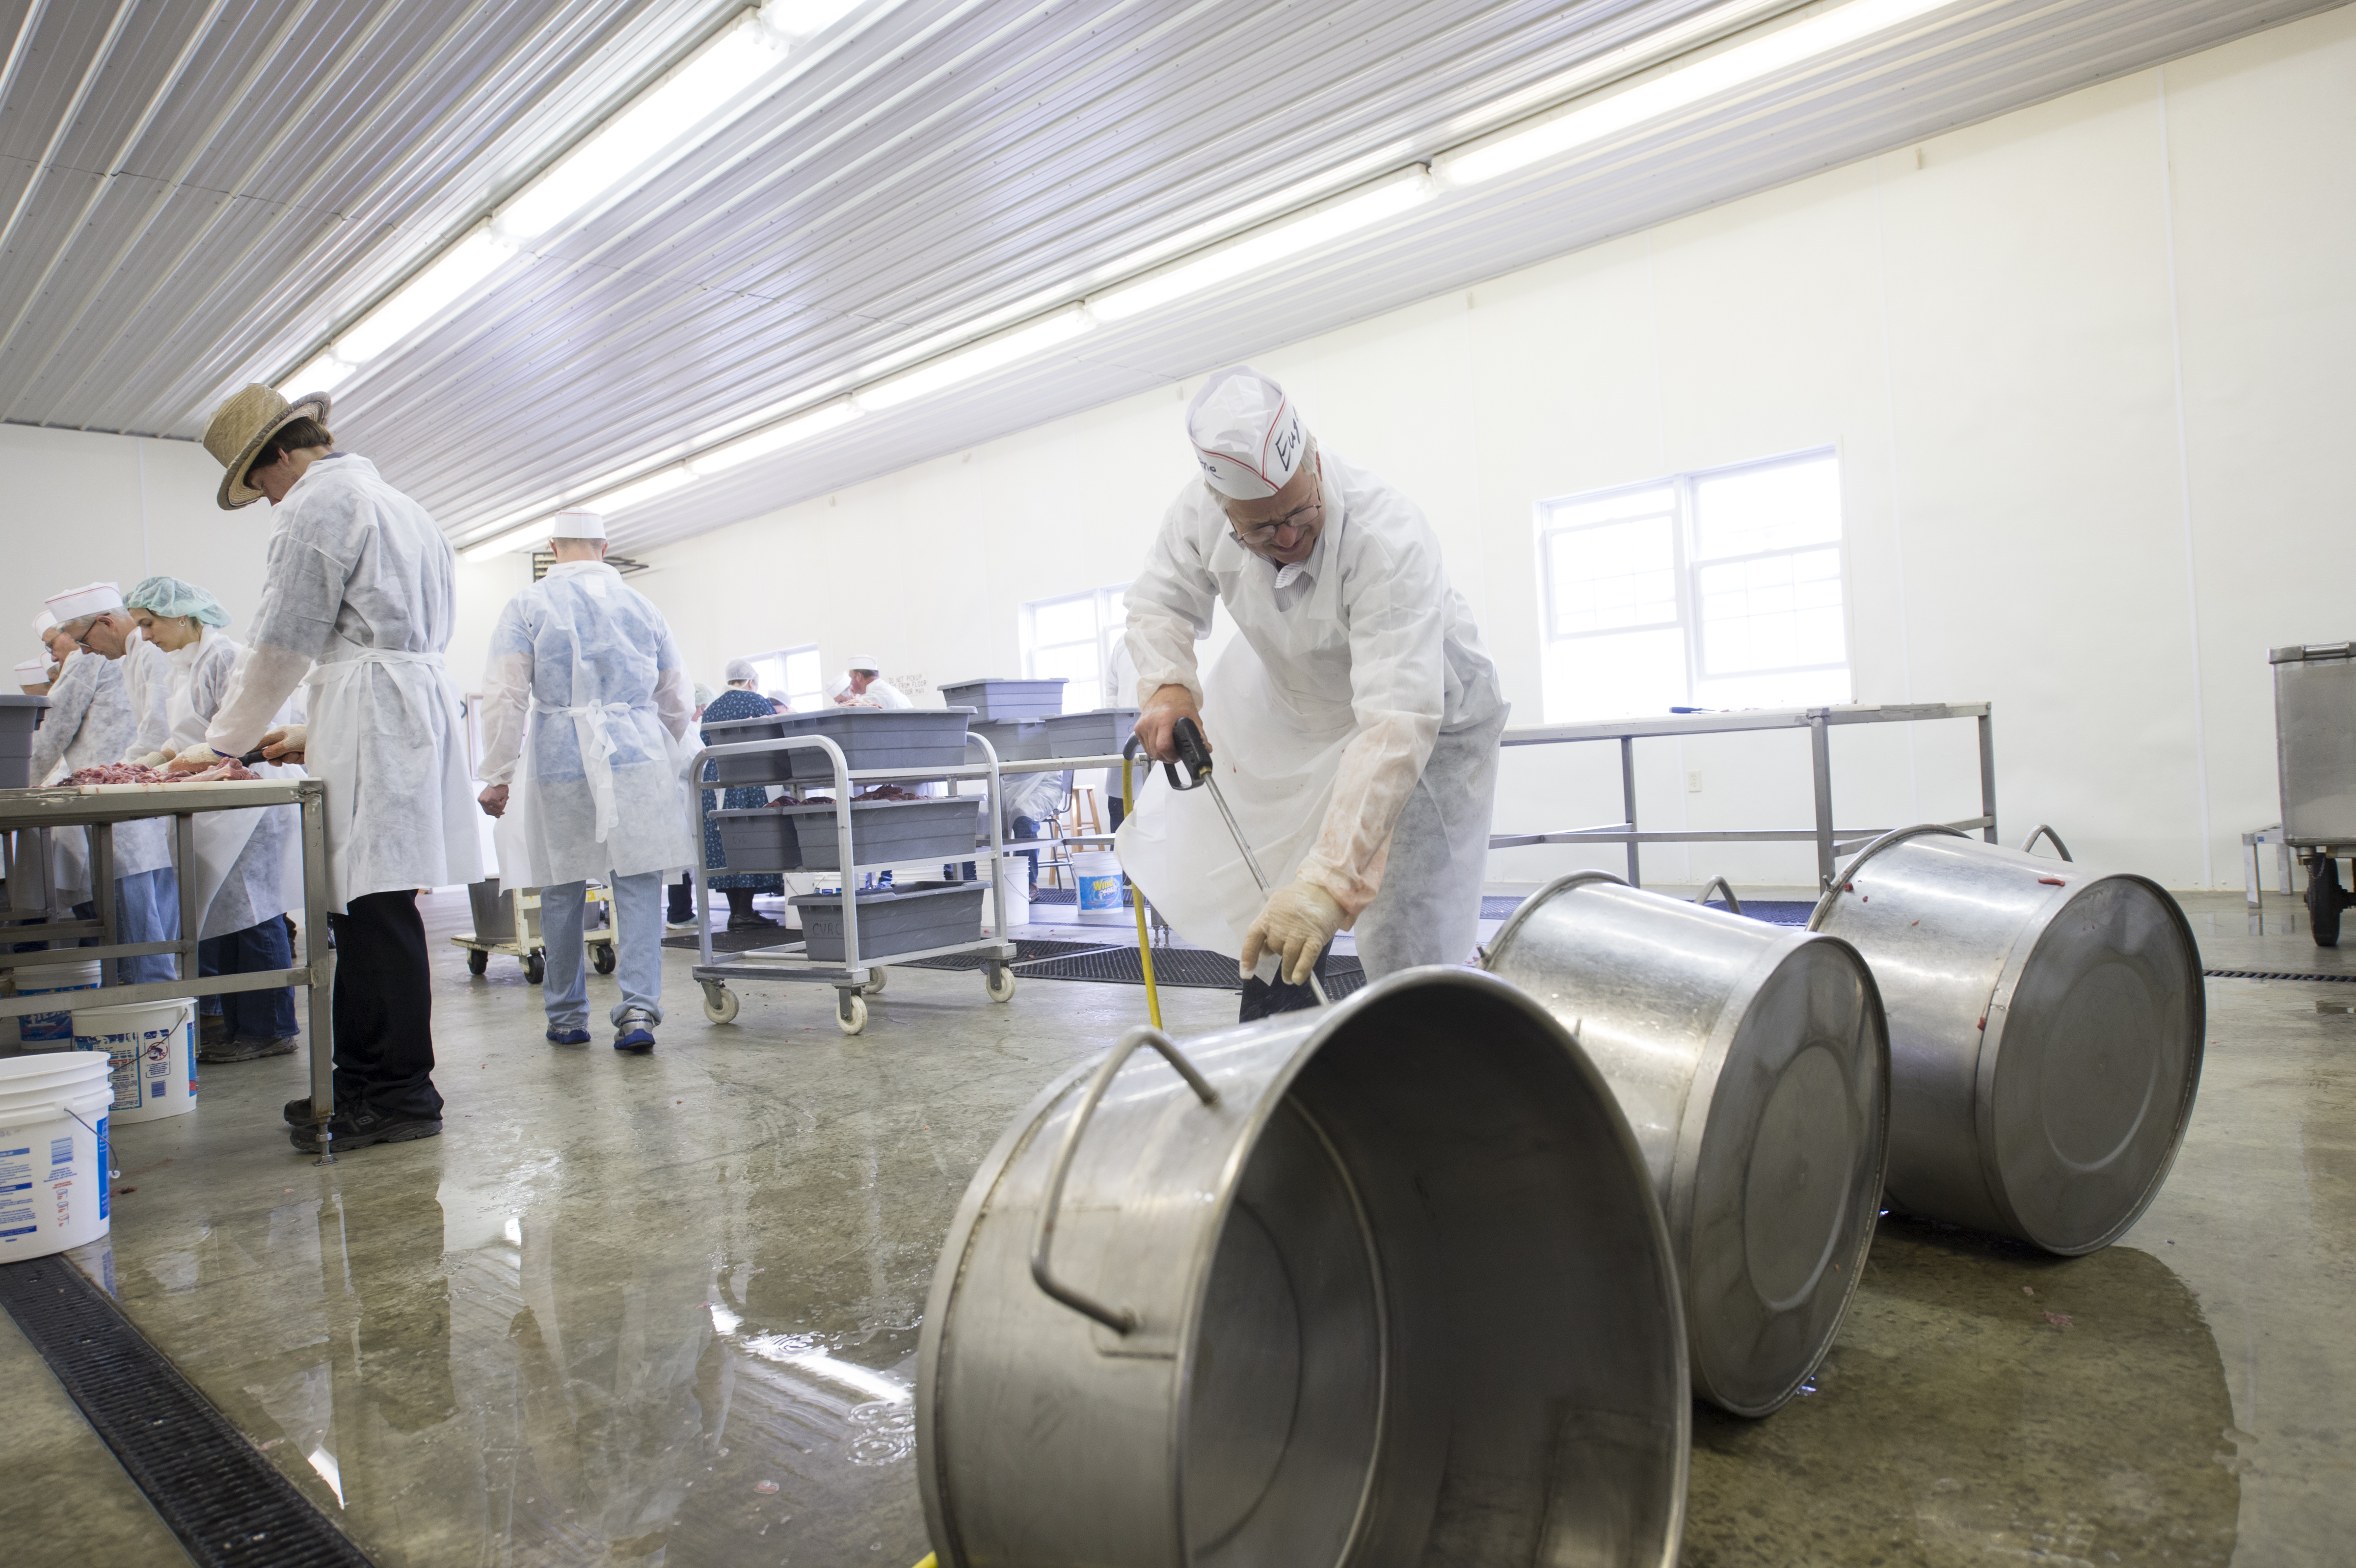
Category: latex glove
[1297,921]
[1157,724]
[493,800]
[153,759]
[286,744]
[196,760]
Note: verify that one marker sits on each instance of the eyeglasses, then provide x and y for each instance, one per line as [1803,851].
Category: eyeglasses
[1300,520]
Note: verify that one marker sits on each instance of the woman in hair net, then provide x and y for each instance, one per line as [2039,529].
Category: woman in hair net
[1355,719]
[242,864]
[741,700]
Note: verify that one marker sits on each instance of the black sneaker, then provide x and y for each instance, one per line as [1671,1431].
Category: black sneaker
[358,1129]
[245,1050]
[750,923]
[298,1112]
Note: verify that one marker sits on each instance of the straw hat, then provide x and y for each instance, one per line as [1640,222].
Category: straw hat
[241,425]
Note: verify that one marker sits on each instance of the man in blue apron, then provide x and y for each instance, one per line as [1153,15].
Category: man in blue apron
[589,664]
[359,598]
[1355,717]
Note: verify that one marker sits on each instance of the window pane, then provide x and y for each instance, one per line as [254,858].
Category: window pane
[1076,662]
[1786,688]
[1612,575]
[802,671]
[1652,503]
[1064,620]
[1771,612]
[1768,508]
[1614,676]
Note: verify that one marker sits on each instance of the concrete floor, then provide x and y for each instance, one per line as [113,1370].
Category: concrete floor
[665,1310]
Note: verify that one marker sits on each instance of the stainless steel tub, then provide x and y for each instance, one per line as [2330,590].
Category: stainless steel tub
[1381,1283]
[2045,1032]
[1752,1064]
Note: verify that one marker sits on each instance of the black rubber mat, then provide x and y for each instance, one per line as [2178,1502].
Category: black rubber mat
[226,1503]
[738,941]
[1182,969]
[2272,975]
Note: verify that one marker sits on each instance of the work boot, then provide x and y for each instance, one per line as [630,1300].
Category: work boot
[358,1129]
[212,1034]
[246,1049]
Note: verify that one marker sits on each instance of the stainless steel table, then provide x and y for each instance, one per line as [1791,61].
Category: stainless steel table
[1819,722]
[24,813]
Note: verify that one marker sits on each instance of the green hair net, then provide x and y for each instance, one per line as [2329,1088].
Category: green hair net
[170,596]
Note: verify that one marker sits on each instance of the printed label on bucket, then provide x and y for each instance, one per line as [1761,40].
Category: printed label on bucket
[1100,892]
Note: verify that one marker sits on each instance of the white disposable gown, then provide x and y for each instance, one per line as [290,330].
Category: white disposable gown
[1355,723]
[147,682]
[246,867]
[591,662]
[89,724]
[359,592]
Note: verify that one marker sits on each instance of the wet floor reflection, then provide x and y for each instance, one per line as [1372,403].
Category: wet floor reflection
[1986,1403]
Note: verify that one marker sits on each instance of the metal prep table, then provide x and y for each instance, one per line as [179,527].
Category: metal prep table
[1819,722]
[2314,755]
[856,976]
[28,813]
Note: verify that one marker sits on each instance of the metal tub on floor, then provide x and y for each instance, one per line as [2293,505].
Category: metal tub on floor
[1380,1283]
[1752,1063]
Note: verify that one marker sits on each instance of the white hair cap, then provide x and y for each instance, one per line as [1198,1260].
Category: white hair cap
[577,524]
[1246,433]
[741,670]
[32,672]
[90,599]
[864,662]
[44,624]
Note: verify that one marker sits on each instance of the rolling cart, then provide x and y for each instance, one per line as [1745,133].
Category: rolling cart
[2315,753]
[857,966]
[507,920]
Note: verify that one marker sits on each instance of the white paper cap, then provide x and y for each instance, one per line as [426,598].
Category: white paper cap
[578,525]
[44,624]
[32,672]
[90,599]
[866,662]
[1247,435]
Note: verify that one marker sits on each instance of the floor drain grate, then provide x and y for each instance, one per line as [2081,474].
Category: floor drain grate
[2272,975]
[1181,968]
[226,1503]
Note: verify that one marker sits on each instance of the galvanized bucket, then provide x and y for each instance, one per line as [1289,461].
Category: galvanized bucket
[2045,1032]
[1752,1064]
[1380,1283]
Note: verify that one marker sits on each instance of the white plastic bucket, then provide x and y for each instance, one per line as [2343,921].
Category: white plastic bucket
[53,1156]
[151,1048]
[1098,872]
[1015,873]
[52,1031]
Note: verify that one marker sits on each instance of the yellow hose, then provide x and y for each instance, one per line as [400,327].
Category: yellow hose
[1137,899]
[931,1560]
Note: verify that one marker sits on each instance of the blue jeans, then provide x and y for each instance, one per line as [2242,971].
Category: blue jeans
[147,909]
[258,949]
[637,951]
[1030,827]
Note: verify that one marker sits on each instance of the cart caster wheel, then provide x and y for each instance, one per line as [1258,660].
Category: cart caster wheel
[603,958]
[850,1014]
[875,979]
[720,1003]
[2324,900]
[535,967]
[1000,983]
[477,961]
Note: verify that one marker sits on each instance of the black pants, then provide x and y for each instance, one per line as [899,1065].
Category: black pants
[383,1008]
[681,901]
[1265,999]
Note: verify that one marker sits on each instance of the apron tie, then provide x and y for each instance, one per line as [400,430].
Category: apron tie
[592,725]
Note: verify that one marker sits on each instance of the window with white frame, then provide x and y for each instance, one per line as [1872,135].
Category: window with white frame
[1074,636]
[1718,589]
[795,672]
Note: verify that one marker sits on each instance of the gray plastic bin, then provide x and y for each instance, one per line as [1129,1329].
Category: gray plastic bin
[1101,733]
[883,831]
[494,912]
[997,699]
[19,716]
[898,920]
[756,838]
[895,738]
[1017,741]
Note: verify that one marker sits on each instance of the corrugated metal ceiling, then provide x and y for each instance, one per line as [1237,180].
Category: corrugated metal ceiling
[204,193]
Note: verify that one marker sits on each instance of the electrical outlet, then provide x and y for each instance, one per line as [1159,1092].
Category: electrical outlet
[1693,780]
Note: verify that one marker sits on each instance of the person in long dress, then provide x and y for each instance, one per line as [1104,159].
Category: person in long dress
[586,675]
[739,702]
[242,856]
[358,600]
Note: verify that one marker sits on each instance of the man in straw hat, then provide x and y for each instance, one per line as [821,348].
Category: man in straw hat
[358,602]
[593,663]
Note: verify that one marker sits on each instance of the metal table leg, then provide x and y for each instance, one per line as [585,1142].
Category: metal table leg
[320,959]
[184,860]
[1820,757]
[1987,774]
[1628,804]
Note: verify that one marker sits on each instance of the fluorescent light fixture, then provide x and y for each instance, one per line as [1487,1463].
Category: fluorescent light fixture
[978,360]
[760,444]
[1614,62]
[619,152]
[515,539]
[639,492]
[424,297]
[1679,89]
[321,375]
[1266,247]
[803,19]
